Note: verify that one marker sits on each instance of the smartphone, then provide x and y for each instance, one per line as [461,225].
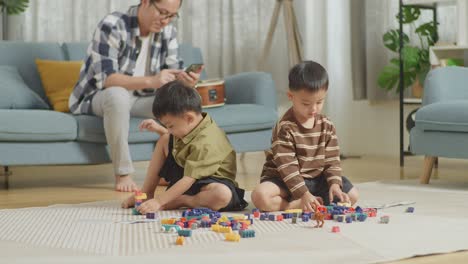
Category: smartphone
[194,68]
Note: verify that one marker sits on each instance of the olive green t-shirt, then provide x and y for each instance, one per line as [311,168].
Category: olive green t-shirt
[206,151]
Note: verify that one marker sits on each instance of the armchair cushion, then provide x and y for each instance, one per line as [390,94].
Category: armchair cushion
[450,116]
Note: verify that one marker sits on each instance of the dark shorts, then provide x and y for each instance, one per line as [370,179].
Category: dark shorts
[317,186]
[172,173]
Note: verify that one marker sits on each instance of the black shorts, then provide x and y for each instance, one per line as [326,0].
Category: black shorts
[317,186]
[172,173]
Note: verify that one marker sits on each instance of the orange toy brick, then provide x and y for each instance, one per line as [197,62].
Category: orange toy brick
[180,241]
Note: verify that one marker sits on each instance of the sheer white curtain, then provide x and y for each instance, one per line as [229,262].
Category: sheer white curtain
[230,33]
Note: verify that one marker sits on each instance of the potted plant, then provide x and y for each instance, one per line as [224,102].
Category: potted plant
[415,58]
[11,7]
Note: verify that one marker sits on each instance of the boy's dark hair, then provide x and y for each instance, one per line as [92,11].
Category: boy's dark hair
[155,1]
[308,75]
[175,98]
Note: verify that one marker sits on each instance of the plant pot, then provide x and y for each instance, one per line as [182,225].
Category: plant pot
[417,89]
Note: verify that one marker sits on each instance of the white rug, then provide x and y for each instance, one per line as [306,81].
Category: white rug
[438,225]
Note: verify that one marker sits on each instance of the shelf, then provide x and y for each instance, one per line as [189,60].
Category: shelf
[412,101]
[436,53]
[429,3]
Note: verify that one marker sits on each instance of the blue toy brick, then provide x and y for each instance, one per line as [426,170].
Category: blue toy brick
[362,217]
[349,219]
[262,217]
[251,221]
[358,209]
[340,218]
[305,218]
[271,217]
[135,211]
[236,226]
[205,224]
[255,210]
[410,210]
[185,232]
[248,216]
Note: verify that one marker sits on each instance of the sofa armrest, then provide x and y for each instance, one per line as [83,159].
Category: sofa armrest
[251,88]
[446,84]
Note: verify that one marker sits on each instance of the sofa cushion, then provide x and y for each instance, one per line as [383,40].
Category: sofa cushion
[15,94]
[58,79]
[238,118]
[36,126]
[444,116]
[91,129]
[231,118]
[22,55]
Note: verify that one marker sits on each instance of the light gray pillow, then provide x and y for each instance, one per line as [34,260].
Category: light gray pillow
[15,94]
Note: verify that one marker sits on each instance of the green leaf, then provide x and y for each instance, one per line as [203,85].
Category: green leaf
[410,14]
[391,40]
[14,7]
[410,57]
[429,31]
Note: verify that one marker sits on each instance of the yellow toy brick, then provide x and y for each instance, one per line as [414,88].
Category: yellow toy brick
[141,197]
[233,237]
[344,204]
[294,211]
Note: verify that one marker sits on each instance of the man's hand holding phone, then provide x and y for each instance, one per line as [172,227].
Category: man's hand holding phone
[191,75]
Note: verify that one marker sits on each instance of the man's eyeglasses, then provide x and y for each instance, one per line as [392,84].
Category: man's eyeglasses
[165,15]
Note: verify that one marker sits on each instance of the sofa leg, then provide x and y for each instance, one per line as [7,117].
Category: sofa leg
[6,174]
[427,170]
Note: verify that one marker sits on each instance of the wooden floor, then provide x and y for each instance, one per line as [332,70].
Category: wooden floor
[47,185]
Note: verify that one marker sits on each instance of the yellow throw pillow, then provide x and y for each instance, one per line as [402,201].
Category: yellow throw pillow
[58,79]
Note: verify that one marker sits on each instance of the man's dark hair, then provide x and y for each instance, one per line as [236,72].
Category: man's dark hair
[308,75]
[175,98]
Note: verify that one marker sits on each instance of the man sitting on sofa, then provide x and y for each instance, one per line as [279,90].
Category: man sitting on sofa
[131,54]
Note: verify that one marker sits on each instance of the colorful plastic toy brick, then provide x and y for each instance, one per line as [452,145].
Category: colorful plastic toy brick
[138,202]
[170,228]
[233,237]
[335,229]
[255,210]
[135,211]
[362,217]
[348,219]
[150,215]
[168,221]
[193,226]
[180,241]
[344,204]
[340,218]
[185,233]
[263,217]
[271,217]
[299,211]
[247,233]
[305,218]
[140,196]
[410,210]
[294,220]
[279,218]
[385,219]
[256,214]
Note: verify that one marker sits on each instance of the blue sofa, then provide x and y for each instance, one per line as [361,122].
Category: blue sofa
[33,134]
[441,124]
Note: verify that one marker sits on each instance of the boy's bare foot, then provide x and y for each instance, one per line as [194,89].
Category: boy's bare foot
[129,202]
[124,184]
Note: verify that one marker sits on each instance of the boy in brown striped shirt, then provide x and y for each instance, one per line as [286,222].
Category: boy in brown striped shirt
[302,169]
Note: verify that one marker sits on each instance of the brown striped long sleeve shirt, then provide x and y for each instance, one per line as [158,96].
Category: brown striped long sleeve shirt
[297,153]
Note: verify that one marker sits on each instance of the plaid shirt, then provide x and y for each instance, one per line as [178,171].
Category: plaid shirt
[114,49]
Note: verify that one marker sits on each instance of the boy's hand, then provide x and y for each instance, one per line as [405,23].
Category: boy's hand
[152,126]
[309,202]
[189,79]
[335,190]
[150,206]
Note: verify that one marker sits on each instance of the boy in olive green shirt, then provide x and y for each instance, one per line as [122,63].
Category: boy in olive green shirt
[195,156]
